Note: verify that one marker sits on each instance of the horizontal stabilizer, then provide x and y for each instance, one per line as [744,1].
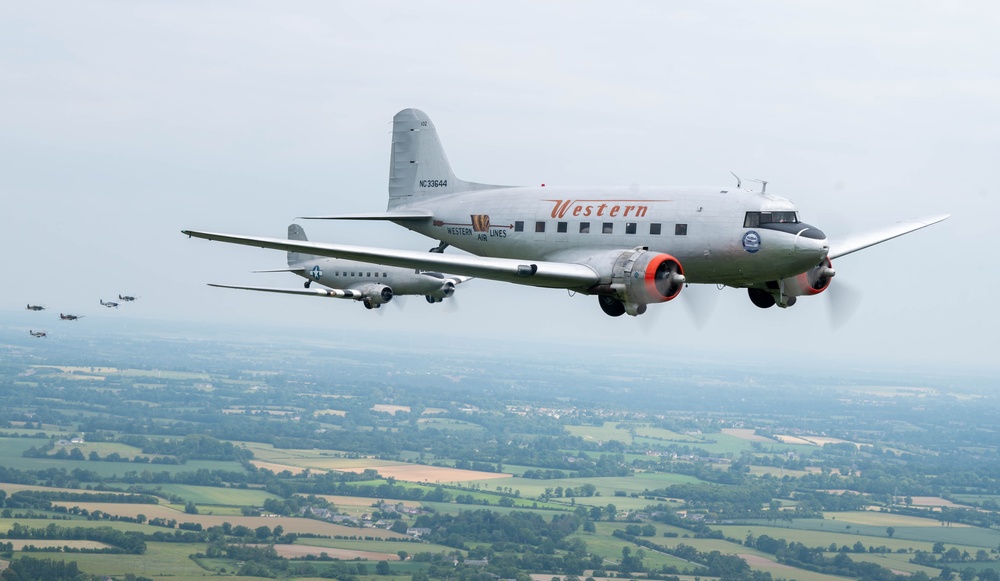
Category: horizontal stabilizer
[402,215]
[864,240]
[312,292]
[299,269]
[566,275]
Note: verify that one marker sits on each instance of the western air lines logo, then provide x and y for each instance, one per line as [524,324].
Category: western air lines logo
[480,227]
[601,208]
[481,222]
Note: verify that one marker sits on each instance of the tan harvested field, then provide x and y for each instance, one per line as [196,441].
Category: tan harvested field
[392,409]
[297,551]
[342,464]
[745,434]
[20,544]
[340,413]
[792,440]
[936,501]
[290,524]
[758,561]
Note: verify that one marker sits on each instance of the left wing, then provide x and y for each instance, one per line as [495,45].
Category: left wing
[864,240]
[313,292]
[532,273]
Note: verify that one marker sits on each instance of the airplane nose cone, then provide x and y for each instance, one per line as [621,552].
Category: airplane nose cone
[811,241]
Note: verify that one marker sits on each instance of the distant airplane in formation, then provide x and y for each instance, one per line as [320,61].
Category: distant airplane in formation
[69,317]
[629,246]
[38,334]
[371,284]
[109,304]
[127,298]
[35,307]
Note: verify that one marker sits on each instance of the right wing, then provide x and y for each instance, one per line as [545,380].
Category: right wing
[527,272]
[866,239]
[312,292]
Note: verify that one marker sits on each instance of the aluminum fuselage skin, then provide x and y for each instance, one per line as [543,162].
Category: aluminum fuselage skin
[709,244]
[348,274]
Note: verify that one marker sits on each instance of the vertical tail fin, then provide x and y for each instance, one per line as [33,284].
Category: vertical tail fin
[418,166]
[295,232]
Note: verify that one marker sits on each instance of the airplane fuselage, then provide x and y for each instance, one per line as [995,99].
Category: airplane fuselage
[708,230]
[348,274]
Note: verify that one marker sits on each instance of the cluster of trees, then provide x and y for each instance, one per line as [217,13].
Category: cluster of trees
[517,527]
[29,568]
[126,542]
[43,498]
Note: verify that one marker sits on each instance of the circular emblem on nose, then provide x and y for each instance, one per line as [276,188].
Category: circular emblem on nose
[751,241]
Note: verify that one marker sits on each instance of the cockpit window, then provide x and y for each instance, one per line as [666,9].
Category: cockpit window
[755,219]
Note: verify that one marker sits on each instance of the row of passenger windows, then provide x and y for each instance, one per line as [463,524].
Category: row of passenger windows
[655,228]
[362,274]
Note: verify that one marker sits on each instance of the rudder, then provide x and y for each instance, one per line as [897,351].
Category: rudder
[418,165]
[296,232]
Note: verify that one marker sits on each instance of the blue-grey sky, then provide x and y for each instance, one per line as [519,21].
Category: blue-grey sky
[123,122]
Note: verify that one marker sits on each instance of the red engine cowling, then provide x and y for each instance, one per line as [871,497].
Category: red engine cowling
[811,282]
[640,277]
[784,292]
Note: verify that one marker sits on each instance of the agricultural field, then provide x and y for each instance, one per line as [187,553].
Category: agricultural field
[216,496]
[320,417]
[782,571]
[606,486]
[160,561]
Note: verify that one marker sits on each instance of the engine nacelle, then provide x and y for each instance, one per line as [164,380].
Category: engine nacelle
[447,289]
[640,277]
[784,292]
[811,282]
[375,295]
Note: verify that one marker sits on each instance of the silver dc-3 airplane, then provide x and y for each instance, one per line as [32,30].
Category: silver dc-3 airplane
[371,284]
[630,247]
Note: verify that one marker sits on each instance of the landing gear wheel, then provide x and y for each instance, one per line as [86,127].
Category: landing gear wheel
[307,283]
[368,304]
[611,306]
[761,298]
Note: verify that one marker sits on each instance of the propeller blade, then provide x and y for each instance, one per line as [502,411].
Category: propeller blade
[699,301]
[843,301]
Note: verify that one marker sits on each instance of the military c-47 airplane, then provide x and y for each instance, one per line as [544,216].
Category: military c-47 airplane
[373,285]
[631,247]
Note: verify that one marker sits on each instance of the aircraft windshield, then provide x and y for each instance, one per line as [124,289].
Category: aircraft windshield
[755,219]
